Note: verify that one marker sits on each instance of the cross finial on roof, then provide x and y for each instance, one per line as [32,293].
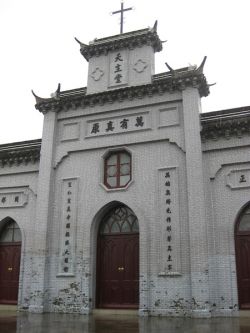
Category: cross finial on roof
[122,10]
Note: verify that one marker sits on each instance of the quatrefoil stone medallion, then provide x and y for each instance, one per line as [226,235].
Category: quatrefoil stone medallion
[140,66]
[97,74]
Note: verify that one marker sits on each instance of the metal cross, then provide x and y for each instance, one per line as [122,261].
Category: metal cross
[122,10]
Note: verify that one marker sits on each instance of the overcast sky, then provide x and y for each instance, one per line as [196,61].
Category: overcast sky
[38,49]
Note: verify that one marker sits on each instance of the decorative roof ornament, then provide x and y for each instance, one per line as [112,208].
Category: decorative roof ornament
[54,95]
[154,29]
[200,68]
[170,68]
[161,83]
[190,69]
[82,45]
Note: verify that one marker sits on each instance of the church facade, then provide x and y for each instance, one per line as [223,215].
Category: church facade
[132,199]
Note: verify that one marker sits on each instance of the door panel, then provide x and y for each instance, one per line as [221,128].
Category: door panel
[9,273]
[243,270]
[110,285]
[118,271]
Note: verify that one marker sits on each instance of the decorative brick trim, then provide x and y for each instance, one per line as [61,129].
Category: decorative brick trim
[161,83]
[225,124]
[20,153]
[128,40]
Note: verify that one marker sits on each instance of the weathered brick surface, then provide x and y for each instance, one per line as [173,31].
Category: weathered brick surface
[204,282]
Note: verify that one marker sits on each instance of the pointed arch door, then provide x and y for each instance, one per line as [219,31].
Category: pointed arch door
[118,260]
[10,254]
[242,249]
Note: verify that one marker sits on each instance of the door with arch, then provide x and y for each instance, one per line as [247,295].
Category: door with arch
[10,254]
[118,260]
[242,249]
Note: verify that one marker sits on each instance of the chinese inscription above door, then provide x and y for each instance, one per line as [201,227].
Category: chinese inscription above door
[118,68]
[123,124]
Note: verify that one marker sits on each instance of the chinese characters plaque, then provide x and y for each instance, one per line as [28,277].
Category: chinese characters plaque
[169,260]
[68,226]
[118,68]
[116,125]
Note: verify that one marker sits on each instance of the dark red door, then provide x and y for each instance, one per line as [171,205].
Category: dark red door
[9,272]
[118,273]
[243,270]
[242,249]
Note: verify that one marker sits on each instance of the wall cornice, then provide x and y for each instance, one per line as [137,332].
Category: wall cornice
[128,40]
[19,153]
[161,83]
[225,124]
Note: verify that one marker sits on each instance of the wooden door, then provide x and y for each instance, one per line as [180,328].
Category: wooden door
[242,247]
[9,273]
[10,253]
[118,264]
[119,271]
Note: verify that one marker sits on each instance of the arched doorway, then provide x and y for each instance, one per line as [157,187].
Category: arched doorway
[10,254]
[242,249]
[118,260]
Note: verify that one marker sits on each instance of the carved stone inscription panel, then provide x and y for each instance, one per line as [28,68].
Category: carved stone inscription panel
[121,124]
[169,260]
[68,226]
[238,178]
[118,68]
[13,198]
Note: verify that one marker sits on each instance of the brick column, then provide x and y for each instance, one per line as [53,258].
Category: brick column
[196,204]
[43,215]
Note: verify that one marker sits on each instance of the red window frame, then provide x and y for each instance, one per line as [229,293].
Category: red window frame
[118,166]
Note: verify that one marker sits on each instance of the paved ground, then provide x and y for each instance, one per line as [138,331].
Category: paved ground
[53,323]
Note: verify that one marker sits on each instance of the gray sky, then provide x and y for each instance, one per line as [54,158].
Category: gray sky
[38,49]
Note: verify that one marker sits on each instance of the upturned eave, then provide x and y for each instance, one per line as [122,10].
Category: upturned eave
[161,83]
[129,40]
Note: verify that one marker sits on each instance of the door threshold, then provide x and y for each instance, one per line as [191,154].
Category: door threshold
[111,312]
[7,310]
[244,313]
[8,307]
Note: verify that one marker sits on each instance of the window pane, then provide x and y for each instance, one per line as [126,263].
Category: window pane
[111,171]
[125,227]
[17,235]
[115,228]
[121,213]
[120,219]
[135,226]
[131,218]
[112,159]
[124,158]
[111,181]
[104,228]
[125,169]
[6,235]
[124,180]
[245,223]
